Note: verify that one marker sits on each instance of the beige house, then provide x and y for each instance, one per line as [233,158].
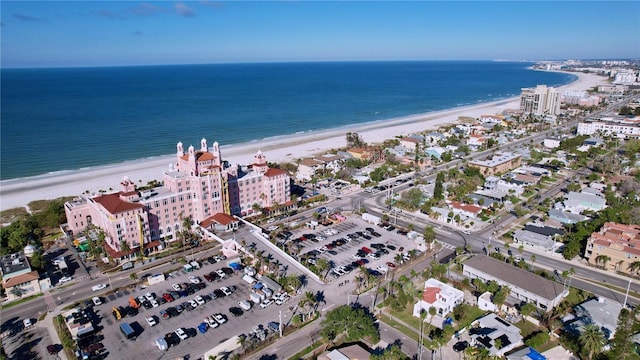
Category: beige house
[618,244]
[497,164]
[18,279]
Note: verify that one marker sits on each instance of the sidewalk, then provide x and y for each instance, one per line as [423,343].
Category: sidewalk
[53,334]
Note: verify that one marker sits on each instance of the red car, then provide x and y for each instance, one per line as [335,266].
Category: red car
[391,265]
[167,297]
[366,249]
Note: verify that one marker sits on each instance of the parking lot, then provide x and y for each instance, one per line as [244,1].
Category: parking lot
[197,343]
[351,244]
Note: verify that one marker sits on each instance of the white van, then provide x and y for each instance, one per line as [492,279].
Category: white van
[249,279]
[245,305]
[161,343]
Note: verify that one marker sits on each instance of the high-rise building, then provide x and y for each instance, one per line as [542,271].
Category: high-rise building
[541,100]
[199,185]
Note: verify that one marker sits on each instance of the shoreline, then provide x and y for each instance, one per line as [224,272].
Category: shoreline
[282,148]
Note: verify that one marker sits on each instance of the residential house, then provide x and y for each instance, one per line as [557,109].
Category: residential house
[467,210]
[524,285]
[526,353]
[221,222]
[495,334]
[350,352]
[619,242]
[550,143]
[434,138]
[440,296]
[18,279]
[578,202]
[475,142]
[435,152]
[307,168]
[566,217]
[600,312]
[537,236]
[497,164]
[491,119]
[412,141]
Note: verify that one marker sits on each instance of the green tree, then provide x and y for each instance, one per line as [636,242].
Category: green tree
[592,340]
[603,259]
[37,261]
[355,323]
[622,343]
[634,267]
[322,265]
[124,247]
[429,235]
[527,309]
[394,352]
[537,340]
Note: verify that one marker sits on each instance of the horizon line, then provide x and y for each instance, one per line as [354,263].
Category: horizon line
[301,62]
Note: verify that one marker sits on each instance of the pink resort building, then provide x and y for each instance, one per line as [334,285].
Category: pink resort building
[199,185]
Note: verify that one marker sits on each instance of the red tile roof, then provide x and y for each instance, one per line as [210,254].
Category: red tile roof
[200,156]
[114,205]
[21,279]
[220,218]
[275,172]
[430,294]
[466,207]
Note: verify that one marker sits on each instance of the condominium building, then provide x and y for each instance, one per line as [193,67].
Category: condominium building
[497,164]
[198,185]
[621,127]
[615,246]
[525,286]
[540,100]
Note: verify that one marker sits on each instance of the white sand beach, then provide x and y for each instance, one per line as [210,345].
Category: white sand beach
[19,192]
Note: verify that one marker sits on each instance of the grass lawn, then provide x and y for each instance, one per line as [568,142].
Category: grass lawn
[526,328]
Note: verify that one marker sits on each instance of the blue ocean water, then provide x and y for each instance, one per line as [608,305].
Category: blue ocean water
[69,118]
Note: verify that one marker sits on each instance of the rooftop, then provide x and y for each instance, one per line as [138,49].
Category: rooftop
[13,265]
[496,160]
[513,275]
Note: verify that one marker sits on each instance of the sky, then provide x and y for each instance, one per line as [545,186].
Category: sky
[115,33]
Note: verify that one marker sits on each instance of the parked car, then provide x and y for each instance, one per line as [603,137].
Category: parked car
[266,303]
[181,334]
[194,279]
[221,319]
[65,279]
[236,311]
[151,320]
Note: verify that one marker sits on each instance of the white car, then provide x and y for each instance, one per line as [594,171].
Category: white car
[154,303]
[211,322]
[181,334]
[149,296]
[266,303]
[98,287]
[320,238]
[27,323]
[96,301]
[194,279]
[193,303]
[467,232]
[221,273]
[226,290]
[220,318]
[65,279]
[176,287]
[151,320]
[199,300]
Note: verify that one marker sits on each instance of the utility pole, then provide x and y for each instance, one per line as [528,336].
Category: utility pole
[280,318]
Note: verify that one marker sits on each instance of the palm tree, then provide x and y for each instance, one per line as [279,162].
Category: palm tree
[322,265]
[603,259]
[429,235]
[533,259]
[634,267]
[592,339]
[124,247]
